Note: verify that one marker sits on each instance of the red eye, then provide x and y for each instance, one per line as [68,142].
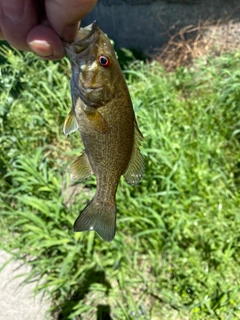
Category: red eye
[104,61]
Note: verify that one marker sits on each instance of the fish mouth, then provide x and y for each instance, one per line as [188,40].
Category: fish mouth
[80,51]
[82,39]
[85,33]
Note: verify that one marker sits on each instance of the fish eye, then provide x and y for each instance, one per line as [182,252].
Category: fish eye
[104,60]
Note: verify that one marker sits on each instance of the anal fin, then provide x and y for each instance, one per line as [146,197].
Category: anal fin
[81,168]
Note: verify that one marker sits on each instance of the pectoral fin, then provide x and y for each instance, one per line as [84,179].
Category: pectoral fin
[81,168]
[135,168]
[96,119]
[70,124]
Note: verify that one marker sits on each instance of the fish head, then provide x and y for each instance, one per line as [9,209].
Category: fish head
[94,65]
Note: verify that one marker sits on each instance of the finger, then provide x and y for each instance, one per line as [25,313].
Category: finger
[45,42]
[17,18]
[1,35]
[64,15]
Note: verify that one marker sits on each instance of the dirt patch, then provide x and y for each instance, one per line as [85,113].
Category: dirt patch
[191,42]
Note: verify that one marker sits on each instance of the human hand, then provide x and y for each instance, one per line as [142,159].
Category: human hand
[41,25]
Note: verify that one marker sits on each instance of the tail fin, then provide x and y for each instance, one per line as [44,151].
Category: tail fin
[98,216]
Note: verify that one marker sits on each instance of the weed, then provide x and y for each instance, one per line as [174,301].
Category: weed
[176,251]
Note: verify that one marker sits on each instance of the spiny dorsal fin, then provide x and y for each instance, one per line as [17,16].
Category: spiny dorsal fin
[70,124]
[137,133]
[135,169]
[81,168]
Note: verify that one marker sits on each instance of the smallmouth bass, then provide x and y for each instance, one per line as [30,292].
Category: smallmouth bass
[102,112]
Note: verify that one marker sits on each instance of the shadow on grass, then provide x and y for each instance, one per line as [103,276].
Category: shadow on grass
[68,307]
[103,312]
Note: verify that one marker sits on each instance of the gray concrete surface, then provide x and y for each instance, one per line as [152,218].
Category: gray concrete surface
[17,302]
[147,25]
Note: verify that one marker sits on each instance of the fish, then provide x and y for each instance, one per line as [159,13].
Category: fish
[102,112]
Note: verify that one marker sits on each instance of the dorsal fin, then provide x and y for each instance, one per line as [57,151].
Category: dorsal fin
[135,169]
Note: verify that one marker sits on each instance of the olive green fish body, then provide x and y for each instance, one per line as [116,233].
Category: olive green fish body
[103,113]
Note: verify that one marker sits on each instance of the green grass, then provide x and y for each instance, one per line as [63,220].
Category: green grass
[176,251]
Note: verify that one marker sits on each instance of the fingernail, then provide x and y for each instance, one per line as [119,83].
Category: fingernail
[41,48]
[13,10]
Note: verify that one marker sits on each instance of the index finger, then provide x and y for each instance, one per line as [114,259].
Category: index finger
[64,15]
